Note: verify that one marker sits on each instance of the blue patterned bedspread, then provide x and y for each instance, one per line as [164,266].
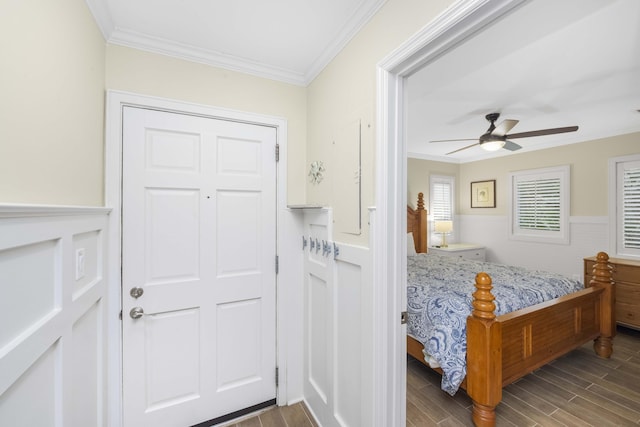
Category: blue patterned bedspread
[439,292]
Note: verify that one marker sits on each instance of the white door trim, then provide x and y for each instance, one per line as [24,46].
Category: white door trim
[113,196]
[460,21]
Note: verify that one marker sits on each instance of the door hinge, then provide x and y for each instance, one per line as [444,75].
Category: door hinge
[403,318]
[277,264]
[277,376]
[277,152]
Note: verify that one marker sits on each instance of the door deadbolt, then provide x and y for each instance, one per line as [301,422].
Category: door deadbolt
[136,292]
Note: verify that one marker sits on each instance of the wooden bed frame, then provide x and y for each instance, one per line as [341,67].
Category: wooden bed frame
[502,349]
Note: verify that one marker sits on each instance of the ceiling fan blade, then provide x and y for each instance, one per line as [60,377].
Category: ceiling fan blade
[504,127]
[542,132]
[511,146]
[463,148]
[451,140]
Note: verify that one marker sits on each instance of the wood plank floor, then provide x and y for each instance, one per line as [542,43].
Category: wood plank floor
[578,389]
[279,416]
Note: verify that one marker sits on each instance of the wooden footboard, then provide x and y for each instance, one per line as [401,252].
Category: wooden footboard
[504,348]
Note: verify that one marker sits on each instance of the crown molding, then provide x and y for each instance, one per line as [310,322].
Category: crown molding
[102,16]
[128,38]
[361,16]
[204,56]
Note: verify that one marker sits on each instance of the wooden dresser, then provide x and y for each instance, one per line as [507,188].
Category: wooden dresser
[626,275]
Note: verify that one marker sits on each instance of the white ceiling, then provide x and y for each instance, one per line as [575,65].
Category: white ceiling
[548,64]
[286,40]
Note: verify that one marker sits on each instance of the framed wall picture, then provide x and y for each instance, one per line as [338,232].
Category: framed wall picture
[483,194]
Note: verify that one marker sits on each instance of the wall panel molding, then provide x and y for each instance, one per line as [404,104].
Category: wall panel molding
[52,267]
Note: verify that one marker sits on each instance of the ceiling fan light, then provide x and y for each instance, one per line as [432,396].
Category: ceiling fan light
[493,145]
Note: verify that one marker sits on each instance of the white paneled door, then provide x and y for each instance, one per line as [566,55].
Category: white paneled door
[198,267]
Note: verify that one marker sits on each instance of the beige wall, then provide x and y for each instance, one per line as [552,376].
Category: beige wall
[418,172]
[346,91]
[146,73]
[589,174]
[55,69]
[52,103]
[51,138]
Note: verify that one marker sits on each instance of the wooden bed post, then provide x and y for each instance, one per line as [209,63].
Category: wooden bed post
[484,354]
[421,224]
[603,345]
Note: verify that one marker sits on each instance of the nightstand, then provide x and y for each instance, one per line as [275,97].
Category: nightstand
[461,250]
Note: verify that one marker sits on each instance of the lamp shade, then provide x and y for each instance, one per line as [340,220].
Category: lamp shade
[443,226]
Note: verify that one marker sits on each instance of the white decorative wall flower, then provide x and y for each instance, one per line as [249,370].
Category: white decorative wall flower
[316,172]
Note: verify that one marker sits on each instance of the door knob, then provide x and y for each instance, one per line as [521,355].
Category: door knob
[136,292]
[136,312]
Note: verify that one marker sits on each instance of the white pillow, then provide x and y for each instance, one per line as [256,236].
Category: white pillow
[411,246]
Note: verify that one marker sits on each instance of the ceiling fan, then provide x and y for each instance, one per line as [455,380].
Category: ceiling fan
[496,137]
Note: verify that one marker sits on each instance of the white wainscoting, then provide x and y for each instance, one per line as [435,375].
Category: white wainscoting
[338,326]
[52,316]
[353,320]
[588,236]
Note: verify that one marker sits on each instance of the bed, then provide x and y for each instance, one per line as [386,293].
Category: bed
[497,348]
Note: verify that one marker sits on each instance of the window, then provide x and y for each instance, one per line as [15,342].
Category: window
[624,188]
[441,197]
[539,205]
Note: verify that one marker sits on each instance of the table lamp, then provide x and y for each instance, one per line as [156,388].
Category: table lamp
[443,227]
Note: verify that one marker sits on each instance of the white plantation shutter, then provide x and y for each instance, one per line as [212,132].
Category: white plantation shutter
[441,206]
[441,202]
[540,205]
[628,221]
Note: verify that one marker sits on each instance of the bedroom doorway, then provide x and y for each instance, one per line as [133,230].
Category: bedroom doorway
[198,276]
[452,27]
